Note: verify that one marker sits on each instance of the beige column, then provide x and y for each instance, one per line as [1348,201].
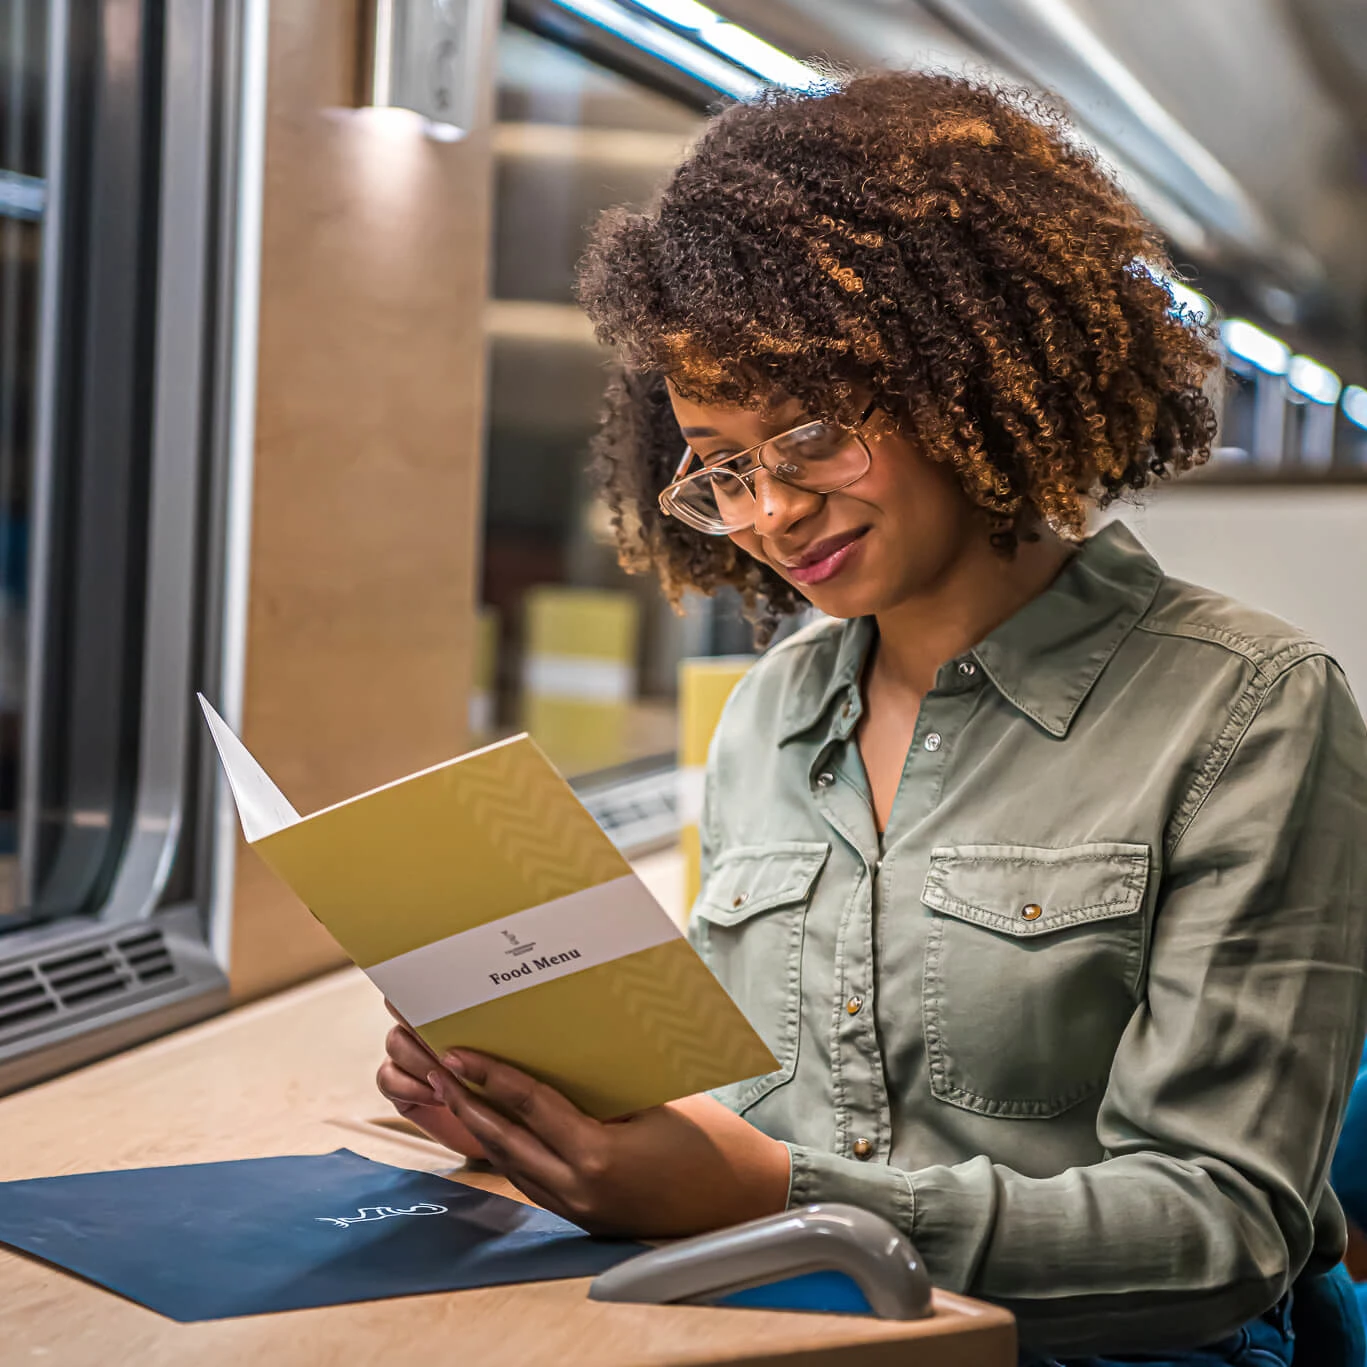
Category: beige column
[365,508]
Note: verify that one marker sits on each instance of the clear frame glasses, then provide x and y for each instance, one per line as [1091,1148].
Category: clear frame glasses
[818,457]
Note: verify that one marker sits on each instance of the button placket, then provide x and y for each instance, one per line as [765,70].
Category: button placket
[858,1088]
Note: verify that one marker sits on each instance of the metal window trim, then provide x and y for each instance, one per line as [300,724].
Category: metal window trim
[177,439]
[45,389]
[242,287]
[574,33]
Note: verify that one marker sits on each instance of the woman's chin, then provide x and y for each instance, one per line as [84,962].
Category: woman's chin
[841,600]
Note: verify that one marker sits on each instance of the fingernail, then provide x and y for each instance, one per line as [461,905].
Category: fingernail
[434,1082]
[454,1064]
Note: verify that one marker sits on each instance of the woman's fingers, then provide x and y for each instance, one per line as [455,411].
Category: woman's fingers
[521,1154]
[547,1200]
[408,1029]
[408,1052]
[557,1122]
[403,1075]
[402,1088]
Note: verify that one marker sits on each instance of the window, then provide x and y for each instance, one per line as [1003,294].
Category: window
[574,650]
[115,234]
[22,193]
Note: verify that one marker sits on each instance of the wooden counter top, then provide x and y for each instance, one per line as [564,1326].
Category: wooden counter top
[294,1074]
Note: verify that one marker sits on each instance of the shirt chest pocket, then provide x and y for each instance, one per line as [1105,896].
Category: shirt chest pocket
[1031,972]
[748,925]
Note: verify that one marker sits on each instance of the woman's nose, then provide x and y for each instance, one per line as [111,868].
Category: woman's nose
[779,506]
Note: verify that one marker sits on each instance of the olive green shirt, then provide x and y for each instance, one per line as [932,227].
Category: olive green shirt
[1084,1024]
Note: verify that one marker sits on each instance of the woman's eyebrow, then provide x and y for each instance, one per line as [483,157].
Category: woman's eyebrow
[699,431]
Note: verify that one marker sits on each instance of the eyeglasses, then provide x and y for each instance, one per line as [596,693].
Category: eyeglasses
[817,457]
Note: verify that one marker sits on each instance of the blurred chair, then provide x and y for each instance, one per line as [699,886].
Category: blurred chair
[484,679]
[579,673]
[704,686]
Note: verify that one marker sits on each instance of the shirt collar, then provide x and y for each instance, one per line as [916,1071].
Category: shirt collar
[1044,660]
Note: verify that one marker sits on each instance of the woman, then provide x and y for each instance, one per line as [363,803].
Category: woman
[1038,870]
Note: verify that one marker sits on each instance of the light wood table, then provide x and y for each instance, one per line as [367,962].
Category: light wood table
[294,1074]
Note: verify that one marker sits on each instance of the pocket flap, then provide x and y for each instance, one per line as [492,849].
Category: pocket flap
[1025,890]
[750,879]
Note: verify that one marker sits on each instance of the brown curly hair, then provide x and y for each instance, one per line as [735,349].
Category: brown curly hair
[934,242]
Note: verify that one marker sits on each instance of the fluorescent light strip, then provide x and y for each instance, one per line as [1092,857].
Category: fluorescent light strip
[381,78]
[1200,308]
[1317,382]
[678,51]
[1252,344]
[1355,406]
[705,26]
[744,47]
[682,13]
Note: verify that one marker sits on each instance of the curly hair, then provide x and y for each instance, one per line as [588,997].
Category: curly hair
[936,243]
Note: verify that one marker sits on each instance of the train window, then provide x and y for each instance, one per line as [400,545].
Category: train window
[108,273]
[22,193]
[573,649]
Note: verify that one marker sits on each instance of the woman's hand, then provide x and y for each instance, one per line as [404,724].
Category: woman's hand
[683,1168]
[402,1080]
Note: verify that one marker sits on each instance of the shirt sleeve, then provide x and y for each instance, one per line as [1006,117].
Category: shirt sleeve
[1227,1090]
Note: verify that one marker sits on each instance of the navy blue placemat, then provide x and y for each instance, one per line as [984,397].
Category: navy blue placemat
[213,1240]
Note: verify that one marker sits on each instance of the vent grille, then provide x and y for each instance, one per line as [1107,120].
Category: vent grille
[637,812]
[23,998]
[147,956]
[83,977]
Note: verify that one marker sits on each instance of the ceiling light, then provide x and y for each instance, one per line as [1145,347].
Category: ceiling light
[1315,381]
[1197,305]
[1355,405]
[764,59]
[683,13]
[683,52]
[1252,344]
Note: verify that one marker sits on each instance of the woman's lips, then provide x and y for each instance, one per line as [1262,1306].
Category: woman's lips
[826,559]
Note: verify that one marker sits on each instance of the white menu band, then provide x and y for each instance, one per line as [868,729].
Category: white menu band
[553,940]
[585,678]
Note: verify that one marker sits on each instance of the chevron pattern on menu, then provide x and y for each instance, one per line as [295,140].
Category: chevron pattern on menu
[670,998]
[519,804]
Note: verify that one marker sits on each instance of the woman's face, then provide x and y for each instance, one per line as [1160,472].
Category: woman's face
[890,536]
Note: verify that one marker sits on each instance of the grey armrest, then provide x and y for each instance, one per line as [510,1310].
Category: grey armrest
[875,1255]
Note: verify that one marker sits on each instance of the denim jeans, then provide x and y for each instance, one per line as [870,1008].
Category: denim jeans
[1264,1342]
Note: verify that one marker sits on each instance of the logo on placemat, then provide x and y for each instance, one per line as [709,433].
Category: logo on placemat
[367,1215]
[518,946]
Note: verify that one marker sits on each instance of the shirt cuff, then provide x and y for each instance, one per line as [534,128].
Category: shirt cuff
[814,1175]
[948,1213]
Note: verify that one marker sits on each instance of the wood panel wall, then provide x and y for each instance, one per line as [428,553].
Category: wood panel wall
[369,430]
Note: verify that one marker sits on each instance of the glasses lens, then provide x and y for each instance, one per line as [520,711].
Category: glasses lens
[715,500]
[819,457]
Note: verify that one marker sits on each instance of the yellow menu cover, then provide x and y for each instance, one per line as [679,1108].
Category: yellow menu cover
[487,904]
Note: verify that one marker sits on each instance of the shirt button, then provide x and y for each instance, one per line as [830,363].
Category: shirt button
[846,708]
[967,668]
[862,1148]
[853,1005]
[1032,911]
[739,899]
[932,741]
[824,780]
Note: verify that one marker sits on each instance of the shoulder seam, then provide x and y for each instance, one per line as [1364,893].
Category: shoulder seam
[1257,654]
[1241,717]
